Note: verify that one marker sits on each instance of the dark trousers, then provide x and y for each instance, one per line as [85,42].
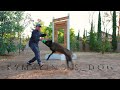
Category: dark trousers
[36,51]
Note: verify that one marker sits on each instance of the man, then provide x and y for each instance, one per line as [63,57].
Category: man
[33,44]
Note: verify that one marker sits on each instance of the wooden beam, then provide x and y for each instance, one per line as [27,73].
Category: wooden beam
[60,24]
[60,19]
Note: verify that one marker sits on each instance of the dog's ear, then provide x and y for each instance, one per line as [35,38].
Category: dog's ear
[50,41]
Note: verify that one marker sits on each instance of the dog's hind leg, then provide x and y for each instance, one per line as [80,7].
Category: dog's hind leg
[67,61]
[49,55]
[72,65]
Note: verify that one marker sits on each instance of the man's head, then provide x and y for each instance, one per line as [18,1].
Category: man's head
[38,27]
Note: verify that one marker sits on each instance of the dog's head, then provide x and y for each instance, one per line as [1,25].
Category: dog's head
[48,43]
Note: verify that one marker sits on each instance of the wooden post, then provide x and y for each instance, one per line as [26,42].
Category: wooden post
[53,29]
[68,32]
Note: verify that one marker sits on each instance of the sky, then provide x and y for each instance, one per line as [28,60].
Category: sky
[79,20]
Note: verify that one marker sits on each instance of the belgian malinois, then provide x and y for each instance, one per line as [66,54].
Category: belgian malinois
[55,47]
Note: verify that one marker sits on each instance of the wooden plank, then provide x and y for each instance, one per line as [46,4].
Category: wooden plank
[61,25]
[63,22]
[59,19]
[57,28]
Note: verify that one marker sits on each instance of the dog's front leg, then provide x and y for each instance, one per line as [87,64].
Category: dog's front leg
[49,55]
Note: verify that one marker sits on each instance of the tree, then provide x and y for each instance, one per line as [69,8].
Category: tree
[91,14]
[114,39]
[99,38]
[99,27]
[78,42]
[61,36]
[84,40]
[86,33]
[27,20]
[72,39]
[106,19]
[10,24]
[78,36]
[92,38]
[108,46]
[49,31]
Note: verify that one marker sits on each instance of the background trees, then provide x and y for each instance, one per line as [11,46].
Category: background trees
[13,24]
[10,26]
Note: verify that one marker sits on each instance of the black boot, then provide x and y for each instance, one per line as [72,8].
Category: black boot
[28,63]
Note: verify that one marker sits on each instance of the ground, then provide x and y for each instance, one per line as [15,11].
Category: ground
[89,65]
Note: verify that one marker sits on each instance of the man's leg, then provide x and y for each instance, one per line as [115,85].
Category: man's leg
[36,51]
[34,58]
[37,54]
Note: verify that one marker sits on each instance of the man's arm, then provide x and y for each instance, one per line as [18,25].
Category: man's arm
[42,35]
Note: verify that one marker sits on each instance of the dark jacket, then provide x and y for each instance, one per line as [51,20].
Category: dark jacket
[35,37]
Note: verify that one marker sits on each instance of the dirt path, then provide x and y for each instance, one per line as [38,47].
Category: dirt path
[87,66]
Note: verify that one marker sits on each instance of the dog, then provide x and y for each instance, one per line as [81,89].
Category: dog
[55,47]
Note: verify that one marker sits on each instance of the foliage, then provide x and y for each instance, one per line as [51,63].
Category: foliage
[99,28]
[10,24]
[78,42]
[73,40]
[61,36]
[84,40]
[106,45]
[114,38]
[92,41]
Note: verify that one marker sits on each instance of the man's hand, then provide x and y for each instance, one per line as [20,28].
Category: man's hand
[41,38]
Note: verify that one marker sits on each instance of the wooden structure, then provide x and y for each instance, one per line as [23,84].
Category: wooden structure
[62,23]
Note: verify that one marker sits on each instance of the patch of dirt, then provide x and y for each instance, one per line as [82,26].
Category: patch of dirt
[89,65]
